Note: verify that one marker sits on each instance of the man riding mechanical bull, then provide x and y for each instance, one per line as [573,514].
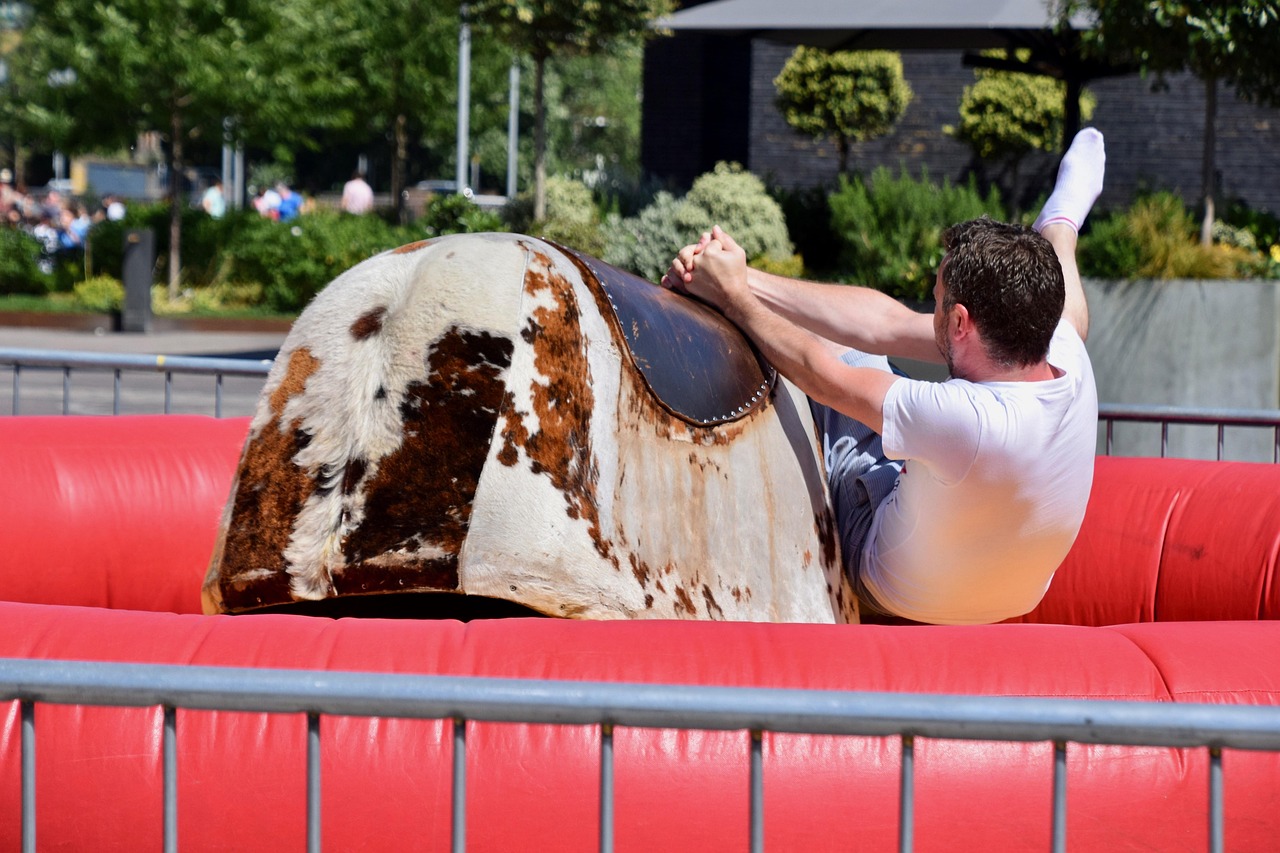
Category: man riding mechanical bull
[493,424]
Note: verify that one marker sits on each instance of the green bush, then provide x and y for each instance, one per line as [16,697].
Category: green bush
[890,229]
[572,217]
[845,96]
[646,243]
[102,294]
[808,215]
[738,202]
[293,261]
[1157,237]
[20,270]
[451,213]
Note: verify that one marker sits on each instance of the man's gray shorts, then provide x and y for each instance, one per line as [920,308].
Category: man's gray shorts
[859,477]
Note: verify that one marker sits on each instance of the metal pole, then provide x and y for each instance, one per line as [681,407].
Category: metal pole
[606,788]
[313,783]
[28,776]
[239,172]
[513,128]
[464,100]
[459,817]
[1059,797]
[907,796]
[170,759]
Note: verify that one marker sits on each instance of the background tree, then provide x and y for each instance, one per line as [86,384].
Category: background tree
[403,57]
[101,73]
[1006,115]
[543,29]
[1237,43]
[845,96]
[13,19]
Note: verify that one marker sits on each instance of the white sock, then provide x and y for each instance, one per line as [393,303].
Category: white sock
[1079,182]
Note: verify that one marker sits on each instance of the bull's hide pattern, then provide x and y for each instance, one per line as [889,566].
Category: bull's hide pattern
[464,415]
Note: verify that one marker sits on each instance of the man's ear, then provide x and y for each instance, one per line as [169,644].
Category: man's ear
[959,323]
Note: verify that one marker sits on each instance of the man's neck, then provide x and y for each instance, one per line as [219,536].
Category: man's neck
[987,372]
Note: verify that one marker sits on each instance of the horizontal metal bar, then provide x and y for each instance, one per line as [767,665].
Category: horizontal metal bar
[1180,415]
[642,705]
[188,364]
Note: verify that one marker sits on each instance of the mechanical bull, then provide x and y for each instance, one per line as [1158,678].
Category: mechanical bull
[491,424]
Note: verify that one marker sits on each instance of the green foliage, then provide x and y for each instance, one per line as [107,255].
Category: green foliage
[790,267]
[102,294]
[451,213]
[808,215]
[1156,238]
[546,28]
[567,201]
[844,96]
[571,218]
[1262,224]
[646,243]
[891,228]
[1006,115]
[737,201]
[543,29]
[294,261]
[20,264]
[1234,42]
[593,117]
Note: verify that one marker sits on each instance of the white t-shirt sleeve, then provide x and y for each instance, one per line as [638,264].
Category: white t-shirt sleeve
[934,424]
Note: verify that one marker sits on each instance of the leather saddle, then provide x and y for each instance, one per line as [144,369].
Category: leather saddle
[697,364]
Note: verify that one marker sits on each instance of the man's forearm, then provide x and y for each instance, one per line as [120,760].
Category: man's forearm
[811,363]
[853,316]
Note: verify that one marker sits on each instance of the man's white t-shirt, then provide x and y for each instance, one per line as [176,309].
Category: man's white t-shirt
[993,492]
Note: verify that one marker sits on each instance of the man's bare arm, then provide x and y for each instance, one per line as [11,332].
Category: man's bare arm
[851,316]
[813,364]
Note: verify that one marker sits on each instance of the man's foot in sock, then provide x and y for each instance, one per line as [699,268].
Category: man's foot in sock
[1079,182]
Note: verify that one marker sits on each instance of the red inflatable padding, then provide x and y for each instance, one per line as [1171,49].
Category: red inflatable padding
[123,513]
[117,512]
[386,783]
[1171,540]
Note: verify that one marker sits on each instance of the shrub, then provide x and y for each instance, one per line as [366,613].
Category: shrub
[1159,238]
[646,243]
[845,96]
[572,217]
[20,270]
[102,294]
[294,260]
[452,213]
[738,202]
[808,215]
[890,228]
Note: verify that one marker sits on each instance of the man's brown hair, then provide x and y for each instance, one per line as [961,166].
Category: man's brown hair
[1009,279]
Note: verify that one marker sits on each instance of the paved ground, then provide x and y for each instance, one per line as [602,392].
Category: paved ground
[46,391]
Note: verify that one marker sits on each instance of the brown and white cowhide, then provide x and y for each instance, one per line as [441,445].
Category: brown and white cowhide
[501,419]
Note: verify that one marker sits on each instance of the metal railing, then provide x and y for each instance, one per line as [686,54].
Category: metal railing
[1166,416]
[610,705]
[29,363]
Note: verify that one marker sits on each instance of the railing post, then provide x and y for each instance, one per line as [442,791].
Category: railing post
[907,796]
[1059,796]
[28,777]
[459,816]
[170,760]
[606,788]
[313,783]
[757,791]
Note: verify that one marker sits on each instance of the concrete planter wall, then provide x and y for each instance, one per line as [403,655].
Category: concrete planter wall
[1203,344]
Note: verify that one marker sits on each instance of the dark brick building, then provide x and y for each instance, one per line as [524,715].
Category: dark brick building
[710,98]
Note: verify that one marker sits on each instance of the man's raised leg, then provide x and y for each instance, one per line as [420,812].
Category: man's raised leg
[1077,188]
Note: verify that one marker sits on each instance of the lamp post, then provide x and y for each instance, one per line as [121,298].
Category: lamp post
[464,100]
